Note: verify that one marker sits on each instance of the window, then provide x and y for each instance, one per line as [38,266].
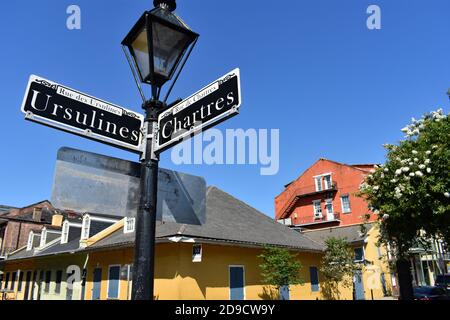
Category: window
[329,206]
[13,280]
[318,183]
[327,182]
[314,276]
[48,275]
[65,232]
[345,201]
[359,254]
[323,182]
[30,241]
[317,209]
[19,285]
[58,281]
[43,237]
[85,227]
[237,283]
[97,281]
[113,282]
[197,253]
[129,225]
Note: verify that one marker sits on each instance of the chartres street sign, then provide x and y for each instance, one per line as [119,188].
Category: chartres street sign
[213,104]
[66,109]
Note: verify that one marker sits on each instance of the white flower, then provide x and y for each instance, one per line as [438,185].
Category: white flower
[412,174]
[394,180]
[427,161]
[415,159]
[411,163]
[385,216]
[376,188]
[447,195]
[386,170]
[414,152]
[405,129]
[405,169]
[434,147]
[428,170]
[422,166]
[407,178]
[398,172]
[428,152]
[382,175]
[419,173]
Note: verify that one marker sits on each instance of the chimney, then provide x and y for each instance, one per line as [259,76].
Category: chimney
[57,220]
[37,214]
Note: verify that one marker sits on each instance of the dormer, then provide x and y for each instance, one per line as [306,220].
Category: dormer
[48,235]
[129,225]
[33,240]
[93,224]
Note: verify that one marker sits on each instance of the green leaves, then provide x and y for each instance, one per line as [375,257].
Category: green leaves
[410,190]
[338,262]
[279,267]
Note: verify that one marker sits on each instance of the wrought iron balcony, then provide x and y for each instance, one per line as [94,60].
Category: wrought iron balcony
[307,191]
[313,219]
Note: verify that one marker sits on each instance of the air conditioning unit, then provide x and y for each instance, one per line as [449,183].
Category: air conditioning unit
[317,216]
[288,222]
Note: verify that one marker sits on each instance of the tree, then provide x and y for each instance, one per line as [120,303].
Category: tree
[411,191]
[337,267]
[279,268]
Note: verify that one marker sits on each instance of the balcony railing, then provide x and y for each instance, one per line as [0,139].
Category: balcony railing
[306,191]
[310,219]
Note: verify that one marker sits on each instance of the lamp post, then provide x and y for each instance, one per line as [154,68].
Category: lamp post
[157,44]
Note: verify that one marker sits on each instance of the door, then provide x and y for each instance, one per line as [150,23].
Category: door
[237,283]
[358,286]
[27,285]
[97,284]
[284,293]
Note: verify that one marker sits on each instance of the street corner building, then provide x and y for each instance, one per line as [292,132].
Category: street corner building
[89,257]
[323,203]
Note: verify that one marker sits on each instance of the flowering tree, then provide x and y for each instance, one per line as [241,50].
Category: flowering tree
[411,191]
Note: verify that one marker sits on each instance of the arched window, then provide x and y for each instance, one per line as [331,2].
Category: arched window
[30,241]
[85,227]
[65,232]
[43,237]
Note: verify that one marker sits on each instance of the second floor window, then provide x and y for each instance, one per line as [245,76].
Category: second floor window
[317,209]
[86,227]
[345,204]
[329,206]
[65,232]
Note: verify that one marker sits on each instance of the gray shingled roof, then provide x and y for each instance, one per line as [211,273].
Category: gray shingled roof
[351,233]
[227,220]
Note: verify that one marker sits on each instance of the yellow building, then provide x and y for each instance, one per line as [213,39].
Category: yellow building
[216,260]
[374,280]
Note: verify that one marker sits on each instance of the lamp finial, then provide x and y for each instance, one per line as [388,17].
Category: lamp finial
[170,5]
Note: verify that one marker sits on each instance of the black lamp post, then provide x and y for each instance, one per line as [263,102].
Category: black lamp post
[157,44]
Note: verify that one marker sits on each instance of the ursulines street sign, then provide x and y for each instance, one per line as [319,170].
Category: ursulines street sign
[58,106]
[213,104]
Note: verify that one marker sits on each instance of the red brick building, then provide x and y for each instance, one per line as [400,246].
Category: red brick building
[16,224]
[324,196]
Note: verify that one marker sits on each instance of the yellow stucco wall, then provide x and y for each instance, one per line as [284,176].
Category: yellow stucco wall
[177,277]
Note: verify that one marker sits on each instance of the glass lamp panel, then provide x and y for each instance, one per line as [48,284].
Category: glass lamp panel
[168,46]
[140,52]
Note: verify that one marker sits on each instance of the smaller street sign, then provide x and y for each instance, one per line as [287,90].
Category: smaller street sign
[66,109]
[206,108]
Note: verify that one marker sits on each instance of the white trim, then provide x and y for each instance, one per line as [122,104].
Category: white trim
[43,237]
[126,228]
[329,214]
[316,214]
[49,244]
[323,174]
[30,240]
[107,282]
[102,219]
[85,227]
[229,279]
[64,235]
[197,257]
[342,204]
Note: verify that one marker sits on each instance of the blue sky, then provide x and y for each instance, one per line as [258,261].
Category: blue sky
[310,68]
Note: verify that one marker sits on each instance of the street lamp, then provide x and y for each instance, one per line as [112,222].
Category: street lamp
[157,44]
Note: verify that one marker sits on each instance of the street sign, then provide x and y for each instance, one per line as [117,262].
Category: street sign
[66,109]
[89,182]
[211,105]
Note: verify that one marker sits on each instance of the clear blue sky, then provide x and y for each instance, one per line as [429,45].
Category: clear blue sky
[310,68]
